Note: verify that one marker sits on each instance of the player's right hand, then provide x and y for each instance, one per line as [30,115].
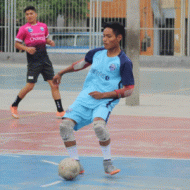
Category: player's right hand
[57,79]
[31,50]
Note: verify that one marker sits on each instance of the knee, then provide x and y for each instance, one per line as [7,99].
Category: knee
[101,130]
[54,87]
[66,130]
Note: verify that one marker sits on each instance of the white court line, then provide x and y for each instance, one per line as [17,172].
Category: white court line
[115,157]
[9,155]
[49,162]
[164,69]
[161,129]
[66,65]
[7,75]
[50,184]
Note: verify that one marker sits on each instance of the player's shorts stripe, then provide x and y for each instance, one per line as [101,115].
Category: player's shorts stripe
[109,103]
[108,116]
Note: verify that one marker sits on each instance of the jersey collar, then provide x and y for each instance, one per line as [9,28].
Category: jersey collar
[33,24]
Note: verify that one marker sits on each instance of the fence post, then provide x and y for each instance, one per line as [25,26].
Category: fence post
[188,29]
[133,46]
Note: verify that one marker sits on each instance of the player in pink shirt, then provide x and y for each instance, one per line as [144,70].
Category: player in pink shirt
[35,36]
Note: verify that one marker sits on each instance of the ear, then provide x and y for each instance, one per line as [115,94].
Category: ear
[119,37]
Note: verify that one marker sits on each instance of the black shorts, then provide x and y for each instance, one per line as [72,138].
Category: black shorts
[36,67]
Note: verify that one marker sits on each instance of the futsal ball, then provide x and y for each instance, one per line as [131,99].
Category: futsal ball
[69,168]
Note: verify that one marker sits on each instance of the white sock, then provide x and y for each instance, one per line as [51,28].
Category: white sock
[106,151]
[73,153]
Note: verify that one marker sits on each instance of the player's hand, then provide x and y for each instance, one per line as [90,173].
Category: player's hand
[57,79]
[52,43]
[31,50]
[97,95]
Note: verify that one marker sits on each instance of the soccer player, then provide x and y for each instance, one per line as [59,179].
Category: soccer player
[35,36]
[109,79]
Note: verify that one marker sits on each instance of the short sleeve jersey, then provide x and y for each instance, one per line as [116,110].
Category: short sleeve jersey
[105,75]
[33,35]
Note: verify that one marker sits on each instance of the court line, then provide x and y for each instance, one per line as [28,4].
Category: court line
[10,155]
[162,129]
[26,115]
[165,69]
[7,75]
[115,157]
[50,184]
[167,92]
[49,162]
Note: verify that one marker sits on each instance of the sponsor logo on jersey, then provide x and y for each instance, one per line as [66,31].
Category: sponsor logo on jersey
[30,30]
[37,38]
[112,67]
[100,74]
[41,28]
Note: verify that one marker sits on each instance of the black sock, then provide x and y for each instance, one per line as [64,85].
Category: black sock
[16,102]
[59,105]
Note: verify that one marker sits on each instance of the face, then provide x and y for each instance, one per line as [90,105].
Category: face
[31,16]
[110,40]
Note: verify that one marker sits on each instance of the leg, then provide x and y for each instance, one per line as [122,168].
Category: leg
[26,89]
[66,132]
[104,140]
[21,95]
[102,143]
[55,90]
[57,97]
[103,135]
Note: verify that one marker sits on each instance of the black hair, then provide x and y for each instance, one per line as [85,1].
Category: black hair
[29,8]
[117,28]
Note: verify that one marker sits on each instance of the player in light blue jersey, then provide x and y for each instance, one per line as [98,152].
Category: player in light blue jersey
[109,79]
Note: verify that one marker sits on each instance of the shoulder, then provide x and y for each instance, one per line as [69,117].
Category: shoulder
[124,60]
[89,56]
[25,26]
[41,24]
[93,51]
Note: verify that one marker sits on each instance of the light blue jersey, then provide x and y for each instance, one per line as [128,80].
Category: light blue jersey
[106,74]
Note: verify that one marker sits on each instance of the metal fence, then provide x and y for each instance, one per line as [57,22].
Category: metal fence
[76,25]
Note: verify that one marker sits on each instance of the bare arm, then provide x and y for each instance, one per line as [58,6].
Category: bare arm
[50,42]
[103,95]
[120,93]
[20,46]
[77,66]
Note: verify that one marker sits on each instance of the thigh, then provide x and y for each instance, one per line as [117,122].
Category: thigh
[33,71]
[48,71]
[80,114]
[101,112]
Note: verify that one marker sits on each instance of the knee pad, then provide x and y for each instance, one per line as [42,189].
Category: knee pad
[66,130]
[101,130]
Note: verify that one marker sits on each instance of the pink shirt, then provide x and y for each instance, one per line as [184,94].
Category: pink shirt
[33,35]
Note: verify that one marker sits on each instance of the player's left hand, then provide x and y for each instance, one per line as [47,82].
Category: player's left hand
[97,95]
[57,79]
[52,43]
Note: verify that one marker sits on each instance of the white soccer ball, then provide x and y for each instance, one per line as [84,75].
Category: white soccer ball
[69,168]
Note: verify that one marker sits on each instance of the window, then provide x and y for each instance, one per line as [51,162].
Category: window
[82,40]
[64,40]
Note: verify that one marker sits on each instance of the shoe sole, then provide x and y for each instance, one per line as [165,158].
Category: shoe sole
[114,172]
